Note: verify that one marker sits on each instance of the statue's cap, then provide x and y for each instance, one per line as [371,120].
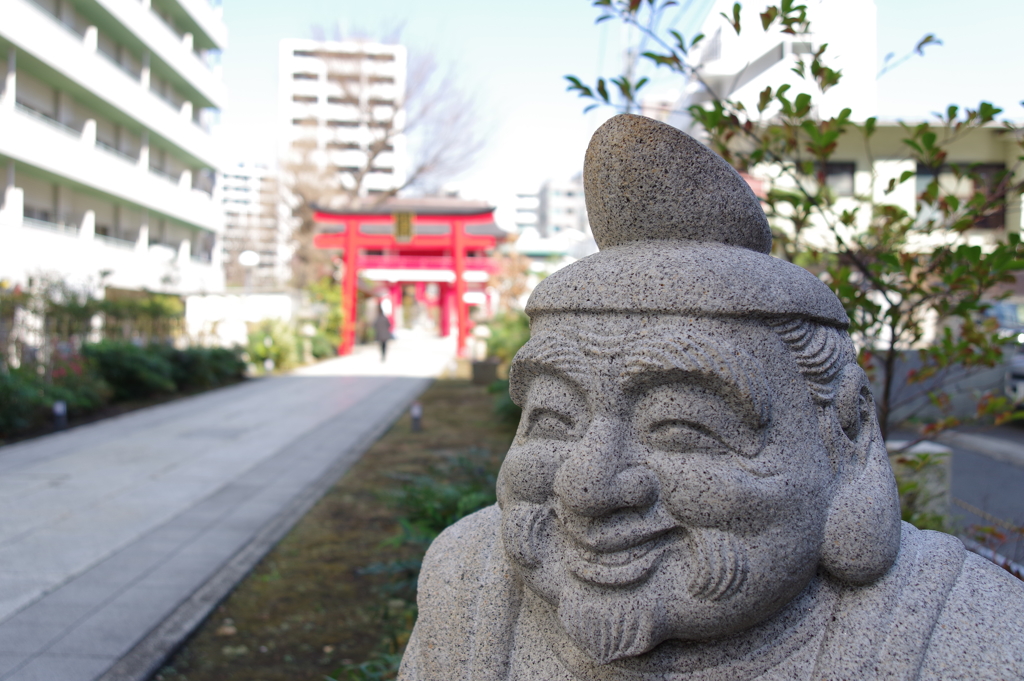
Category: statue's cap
[680,232]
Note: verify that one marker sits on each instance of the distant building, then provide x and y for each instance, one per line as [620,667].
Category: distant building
[553,226]
[739,67]
[107,159]
[341,108]
[255,219]
[556,207]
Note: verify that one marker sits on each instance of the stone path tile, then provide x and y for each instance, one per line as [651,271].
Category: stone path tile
[109,530]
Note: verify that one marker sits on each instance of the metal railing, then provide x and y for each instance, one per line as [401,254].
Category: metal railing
[163,174]
[57,20]
[137,77]
[70,230]
[48,120]
[117,152]
[116,242]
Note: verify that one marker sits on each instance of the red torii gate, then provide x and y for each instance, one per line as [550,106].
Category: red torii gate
[410,235]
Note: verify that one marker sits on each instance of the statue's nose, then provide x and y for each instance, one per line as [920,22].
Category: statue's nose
[599,478]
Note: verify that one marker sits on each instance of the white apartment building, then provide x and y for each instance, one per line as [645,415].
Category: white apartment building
[255,219]
[739,67]
[107,160]
[340,100]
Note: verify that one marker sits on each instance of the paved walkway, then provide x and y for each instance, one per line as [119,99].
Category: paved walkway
[117,537]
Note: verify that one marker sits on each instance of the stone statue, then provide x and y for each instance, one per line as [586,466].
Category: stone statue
[698,488]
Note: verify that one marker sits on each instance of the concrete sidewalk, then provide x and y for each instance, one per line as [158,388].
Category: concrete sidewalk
[117,537]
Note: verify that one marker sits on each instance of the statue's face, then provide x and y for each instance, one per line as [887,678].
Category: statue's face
[668,479]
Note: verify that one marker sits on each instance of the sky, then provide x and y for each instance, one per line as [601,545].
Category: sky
[512,56]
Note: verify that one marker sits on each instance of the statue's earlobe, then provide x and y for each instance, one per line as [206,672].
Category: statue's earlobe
[862,531]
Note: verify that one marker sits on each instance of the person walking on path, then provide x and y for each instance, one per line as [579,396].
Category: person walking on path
[382,328]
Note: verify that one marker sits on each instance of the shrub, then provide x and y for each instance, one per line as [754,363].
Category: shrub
[132,372]
[202,368]
[78,383]
[509,332]
[273,340]
[324,345]
[23,402]
[504,407]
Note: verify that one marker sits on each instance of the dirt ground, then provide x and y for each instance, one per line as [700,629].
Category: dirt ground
[305,610]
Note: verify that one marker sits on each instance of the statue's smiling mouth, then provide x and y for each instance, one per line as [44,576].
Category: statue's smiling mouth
[618,568]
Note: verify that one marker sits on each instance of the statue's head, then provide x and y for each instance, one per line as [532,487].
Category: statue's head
[697,440]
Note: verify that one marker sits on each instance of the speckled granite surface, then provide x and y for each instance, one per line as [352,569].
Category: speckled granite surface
[698,488]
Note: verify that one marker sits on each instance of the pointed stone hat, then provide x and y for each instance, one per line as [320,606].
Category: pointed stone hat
[680,232]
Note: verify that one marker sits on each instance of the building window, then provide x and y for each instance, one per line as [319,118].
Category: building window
[990,175]
[304,99]
[343,100]
[839,178]
[304,76]
[334,123]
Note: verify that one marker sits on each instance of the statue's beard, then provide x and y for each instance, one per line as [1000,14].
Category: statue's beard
[611,622]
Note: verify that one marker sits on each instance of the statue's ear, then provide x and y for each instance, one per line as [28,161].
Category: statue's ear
[862,531]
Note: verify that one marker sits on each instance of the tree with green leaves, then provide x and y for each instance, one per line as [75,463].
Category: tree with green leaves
[916,284]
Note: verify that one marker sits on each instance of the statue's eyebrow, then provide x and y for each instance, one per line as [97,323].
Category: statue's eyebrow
[551,354]
[658,361]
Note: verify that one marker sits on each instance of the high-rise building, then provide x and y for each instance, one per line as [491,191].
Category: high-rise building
[255,219]
[105,145]
[342,109]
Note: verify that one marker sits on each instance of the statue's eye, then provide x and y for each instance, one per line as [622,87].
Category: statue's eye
[684,436]
[547,423]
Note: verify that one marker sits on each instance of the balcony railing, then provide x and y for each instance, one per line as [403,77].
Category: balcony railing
[137,77]
[116,242]
[49,120]
[66,27]
[70,230]
[117,152]
[163,174]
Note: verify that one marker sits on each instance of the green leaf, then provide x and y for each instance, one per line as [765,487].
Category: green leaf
[929,39]
[734,21]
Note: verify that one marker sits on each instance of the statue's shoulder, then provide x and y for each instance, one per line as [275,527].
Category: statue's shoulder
[980,633]
[468,600]
[466,544]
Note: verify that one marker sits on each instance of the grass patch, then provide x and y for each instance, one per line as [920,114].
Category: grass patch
[330,596]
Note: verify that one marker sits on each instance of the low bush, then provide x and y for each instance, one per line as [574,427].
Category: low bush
[77,382]
[23,402]
[324,346]
[132,372]
[429,504]
[109,371]
[509,332]
[274,340]
[202,368]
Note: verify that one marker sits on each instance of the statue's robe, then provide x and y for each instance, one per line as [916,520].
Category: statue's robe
[939,613]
